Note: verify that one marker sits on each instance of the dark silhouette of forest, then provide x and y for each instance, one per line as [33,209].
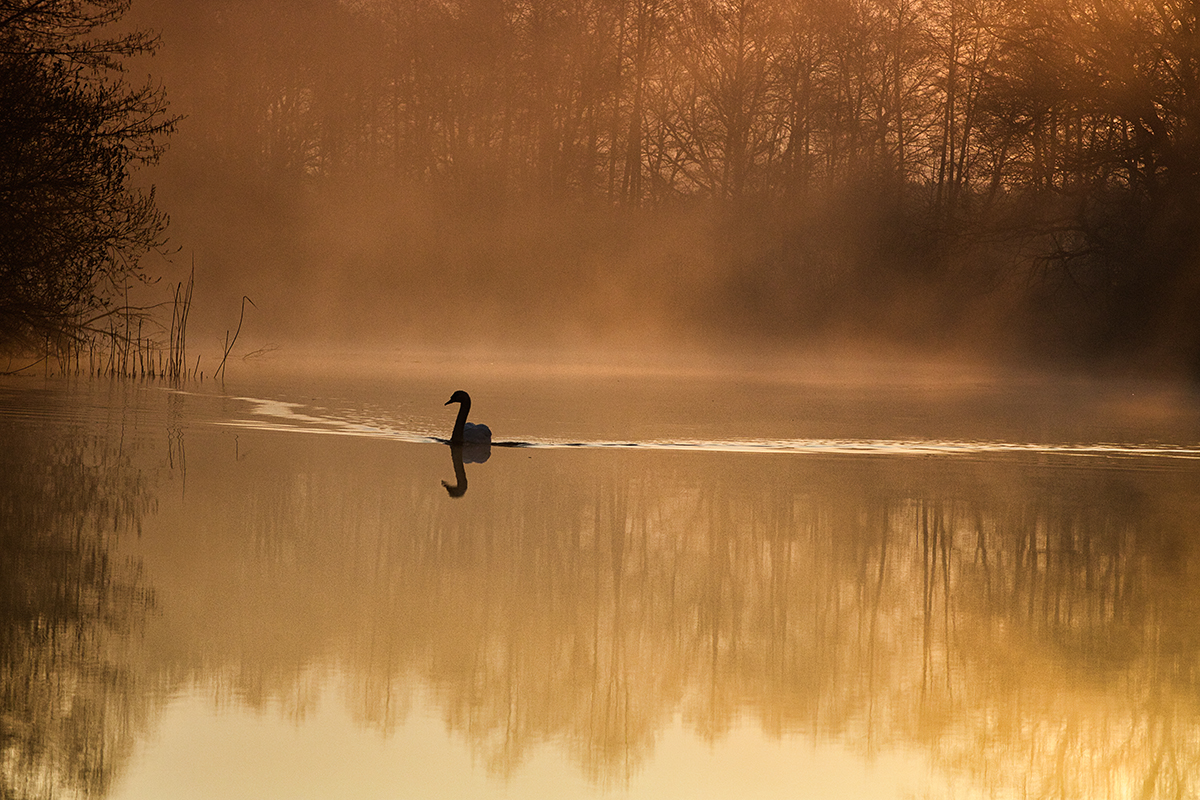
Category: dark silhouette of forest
[1013,178]
[1017,176]
[73,228]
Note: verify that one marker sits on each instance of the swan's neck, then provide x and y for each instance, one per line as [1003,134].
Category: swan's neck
[460,424]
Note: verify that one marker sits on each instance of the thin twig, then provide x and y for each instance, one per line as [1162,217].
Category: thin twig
[229,344]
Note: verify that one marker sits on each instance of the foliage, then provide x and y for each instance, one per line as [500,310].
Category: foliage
[640,101]
[72,229]
[1053,137]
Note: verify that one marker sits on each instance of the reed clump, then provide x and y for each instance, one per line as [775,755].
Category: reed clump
[124,342]
[131,342]
[177,353]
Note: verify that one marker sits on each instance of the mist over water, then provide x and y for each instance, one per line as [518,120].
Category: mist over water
[633,180]
[360,267]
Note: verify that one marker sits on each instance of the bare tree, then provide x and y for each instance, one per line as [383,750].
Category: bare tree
[72,229]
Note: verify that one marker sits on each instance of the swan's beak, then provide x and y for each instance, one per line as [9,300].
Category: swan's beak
[448,402]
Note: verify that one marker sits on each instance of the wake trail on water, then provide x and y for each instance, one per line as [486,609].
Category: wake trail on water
[283,416]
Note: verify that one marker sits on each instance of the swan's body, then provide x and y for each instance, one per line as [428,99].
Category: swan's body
[467,432]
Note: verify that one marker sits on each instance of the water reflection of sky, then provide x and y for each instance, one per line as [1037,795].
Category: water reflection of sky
[227,754]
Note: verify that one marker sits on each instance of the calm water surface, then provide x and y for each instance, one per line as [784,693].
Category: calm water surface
[676,586]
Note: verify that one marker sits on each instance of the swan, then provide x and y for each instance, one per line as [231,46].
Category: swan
[467,432]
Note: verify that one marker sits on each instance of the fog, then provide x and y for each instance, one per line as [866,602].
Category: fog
[680,177]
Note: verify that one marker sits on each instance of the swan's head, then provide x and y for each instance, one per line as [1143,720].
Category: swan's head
[459,397]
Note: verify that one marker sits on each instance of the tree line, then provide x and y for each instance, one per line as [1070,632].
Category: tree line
[879,157]
[974,142]
[642,101]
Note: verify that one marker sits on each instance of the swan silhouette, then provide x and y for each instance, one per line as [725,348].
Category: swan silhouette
[466,433]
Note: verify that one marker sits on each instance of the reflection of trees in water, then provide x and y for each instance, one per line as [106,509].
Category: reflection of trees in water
[1031,626]
[1074,637]
[1012,627]
[70,703]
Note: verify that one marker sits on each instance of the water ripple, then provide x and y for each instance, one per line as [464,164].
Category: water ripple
[278,415]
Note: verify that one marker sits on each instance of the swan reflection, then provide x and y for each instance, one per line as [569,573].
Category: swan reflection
[465,454]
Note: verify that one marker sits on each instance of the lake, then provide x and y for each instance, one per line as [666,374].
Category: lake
[873,583]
